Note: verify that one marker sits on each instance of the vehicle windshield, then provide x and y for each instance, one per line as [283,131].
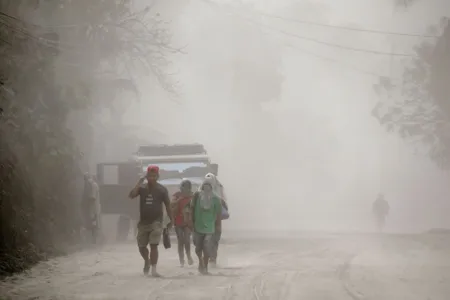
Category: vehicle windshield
[177,166]
[196,172]
[173,173]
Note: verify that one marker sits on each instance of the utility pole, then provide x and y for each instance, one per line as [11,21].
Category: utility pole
[383,160]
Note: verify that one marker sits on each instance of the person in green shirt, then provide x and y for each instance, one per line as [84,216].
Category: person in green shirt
[205,216]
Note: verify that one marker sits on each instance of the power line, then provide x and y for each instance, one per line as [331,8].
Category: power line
[317,41]
[333,60]
[346,27]
[320,57]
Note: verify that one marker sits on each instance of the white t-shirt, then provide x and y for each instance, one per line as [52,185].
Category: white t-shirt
[96,206]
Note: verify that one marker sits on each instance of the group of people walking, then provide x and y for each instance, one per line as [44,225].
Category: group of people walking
[197,213]
[193,213]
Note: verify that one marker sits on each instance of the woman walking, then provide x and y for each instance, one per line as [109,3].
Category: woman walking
[180,206]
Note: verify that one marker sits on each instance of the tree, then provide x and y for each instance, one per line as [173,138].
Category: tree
[54,54]
[417,105]
[130,42]
[404,3]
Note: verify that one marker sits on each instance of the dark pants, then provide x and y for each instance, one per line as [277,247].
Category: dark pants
[215,245]
[92,225]
[380,221]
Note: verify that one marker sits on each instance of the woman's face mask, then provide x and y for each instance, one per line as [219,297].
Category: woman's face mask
[207,187]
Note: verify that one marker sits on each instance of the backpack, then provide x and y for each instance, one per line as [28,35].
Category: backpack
[225,213]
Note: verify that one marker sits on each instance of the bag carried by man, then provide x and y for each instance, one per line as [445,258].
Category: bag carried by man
[166,239]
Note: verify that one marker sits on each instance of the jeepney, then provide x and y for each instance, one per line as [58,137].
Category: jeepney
[176,162]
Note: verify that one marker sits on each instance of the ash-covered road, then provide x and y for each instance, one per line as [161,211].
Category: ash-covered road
[310,267]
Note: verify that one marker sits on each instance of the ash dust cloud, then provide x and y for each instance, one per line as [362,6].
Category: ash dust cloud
[299,102]
[289,120]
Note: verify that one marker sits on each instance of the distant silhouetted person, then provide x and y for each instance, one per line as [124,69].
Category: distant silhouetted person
[380,209]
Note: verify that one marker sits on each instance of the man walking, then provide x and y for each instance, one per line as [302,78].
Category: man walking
[205,215]
[179,205]
[380,209]
[91,207]
[95,210]
[150,227]
[86,201]
[218,191]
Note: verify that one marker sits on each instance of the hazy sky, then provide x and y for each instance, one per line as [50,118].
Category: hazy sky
[315,159]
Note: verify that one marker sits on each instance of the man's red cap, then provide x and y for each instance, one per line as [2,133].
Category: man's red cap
[152,169]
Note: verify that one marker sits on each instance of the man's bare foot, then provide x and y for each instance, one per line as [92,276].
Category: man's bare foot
[156,275]
[204,271]
[146,267]
[201,267]
[213,263]
[190,261]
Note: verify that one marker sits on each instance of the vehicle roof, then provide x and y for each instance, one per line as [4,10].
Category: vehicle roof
[171,149]
[173,158]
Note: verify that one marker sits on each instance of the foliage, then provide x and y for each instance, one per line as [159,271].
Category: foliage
[57,57]
[404,3]
[418,106]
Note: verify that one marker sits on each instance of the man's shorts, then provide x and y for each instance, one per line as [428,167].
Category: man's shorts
[203,242]
[149,234]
